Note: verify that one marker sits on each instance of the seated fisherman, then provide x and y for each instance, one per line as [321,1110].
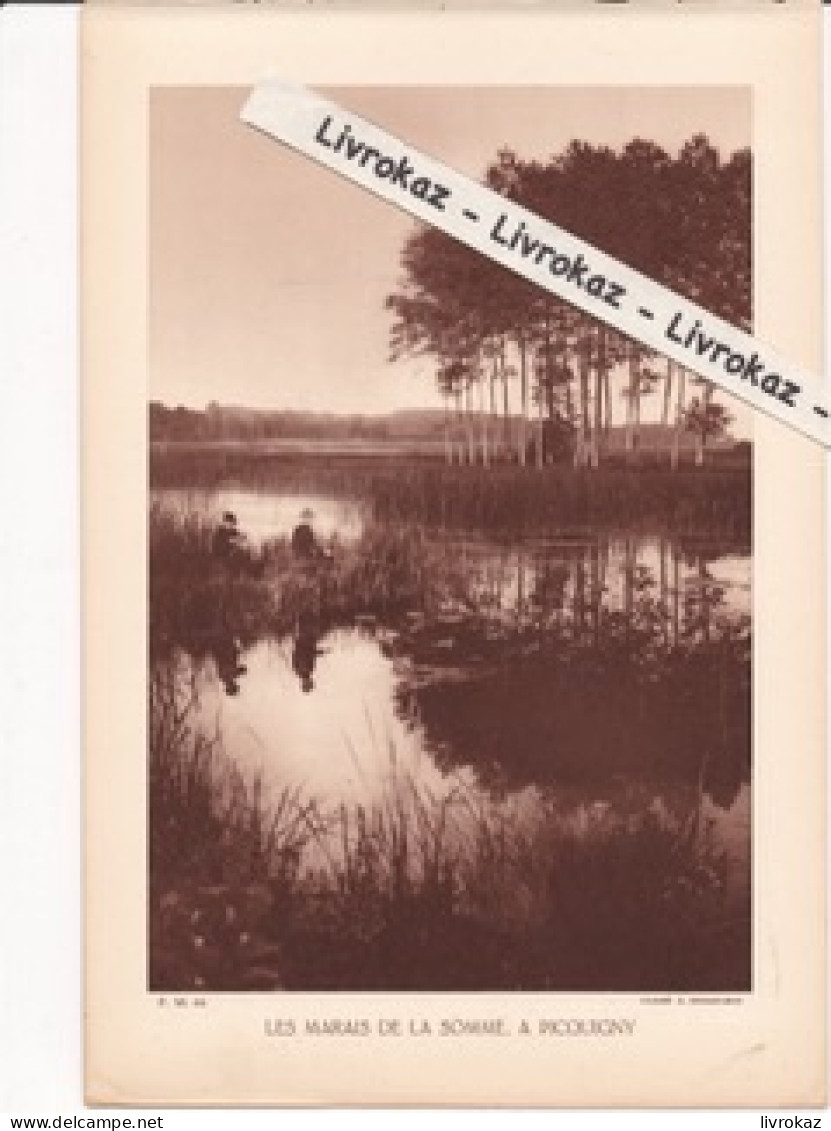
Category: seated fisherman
[227,537]
[303,538]
[304,542]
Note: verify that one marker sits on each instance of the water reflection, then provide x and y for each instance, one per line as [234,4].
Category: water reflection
[609,671]
[226,654]
[604,575]
[537,752]
[340,744]
[305,651]
[537,738]
[566,662]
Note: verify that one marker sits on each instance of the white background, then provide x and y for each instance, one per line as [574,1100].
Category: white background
[40,642]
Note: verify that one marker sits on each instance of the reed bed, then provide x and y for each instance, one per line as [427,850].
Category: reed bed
[198,599]
[263,888]
[267,889]
[643,496]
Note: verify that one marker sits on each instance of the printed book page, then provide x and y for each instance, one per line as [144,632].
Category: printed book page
[455,664]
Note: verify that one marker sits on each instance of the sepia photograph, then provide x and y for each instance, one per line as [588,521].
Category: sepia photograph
[454,703]
[450,586]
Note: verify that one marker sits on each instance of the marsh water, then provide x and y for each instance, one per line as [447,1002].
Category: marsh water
[592,672]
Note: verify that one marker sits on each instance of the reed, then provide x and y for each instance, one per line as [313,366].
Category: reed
[197,599]
[253,889]
[715,500]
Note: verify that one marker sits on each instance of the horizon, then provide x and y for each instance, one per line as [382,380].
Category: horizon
[261,293]
[417,410]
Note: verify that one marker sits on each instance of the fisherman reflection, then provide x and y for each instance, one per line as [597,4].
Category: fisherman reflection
[306,651]
[226,654]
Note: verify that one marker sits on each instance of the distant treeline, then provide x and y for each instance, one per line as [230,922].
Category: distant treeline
[234,424]
[221,422]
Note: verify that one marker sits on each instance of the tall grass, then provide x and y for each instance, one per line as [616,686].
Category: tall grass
[412,890]
[197,599]
[713,500]
[255,888]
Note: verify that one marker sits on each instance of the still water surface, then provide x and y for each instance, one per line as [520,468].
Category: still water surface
[349,714]
[264,515]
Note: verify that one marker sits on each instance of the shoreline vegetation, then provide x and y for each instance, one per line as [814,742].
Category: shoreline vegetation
[524,684]
[256,889]
[523,376]
[415,892]
[646,496]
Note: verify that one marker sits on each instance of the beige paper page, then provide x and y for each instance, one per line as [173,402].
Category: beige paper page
[179,1042]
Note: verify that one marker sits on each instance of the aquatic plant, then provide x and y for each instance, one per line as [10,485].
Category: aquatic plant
[714,500]
[414,890]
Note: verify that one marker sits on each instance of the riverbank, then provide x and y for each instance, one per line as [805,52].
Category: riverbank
[528,683]
[642,495]
[258,891]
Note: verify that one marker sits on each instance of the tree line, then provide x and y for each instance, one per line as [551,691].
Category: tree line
[252,425]
[684,221]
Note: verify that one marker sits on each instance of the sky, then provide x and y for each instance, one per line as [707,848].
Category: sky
[268,273]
